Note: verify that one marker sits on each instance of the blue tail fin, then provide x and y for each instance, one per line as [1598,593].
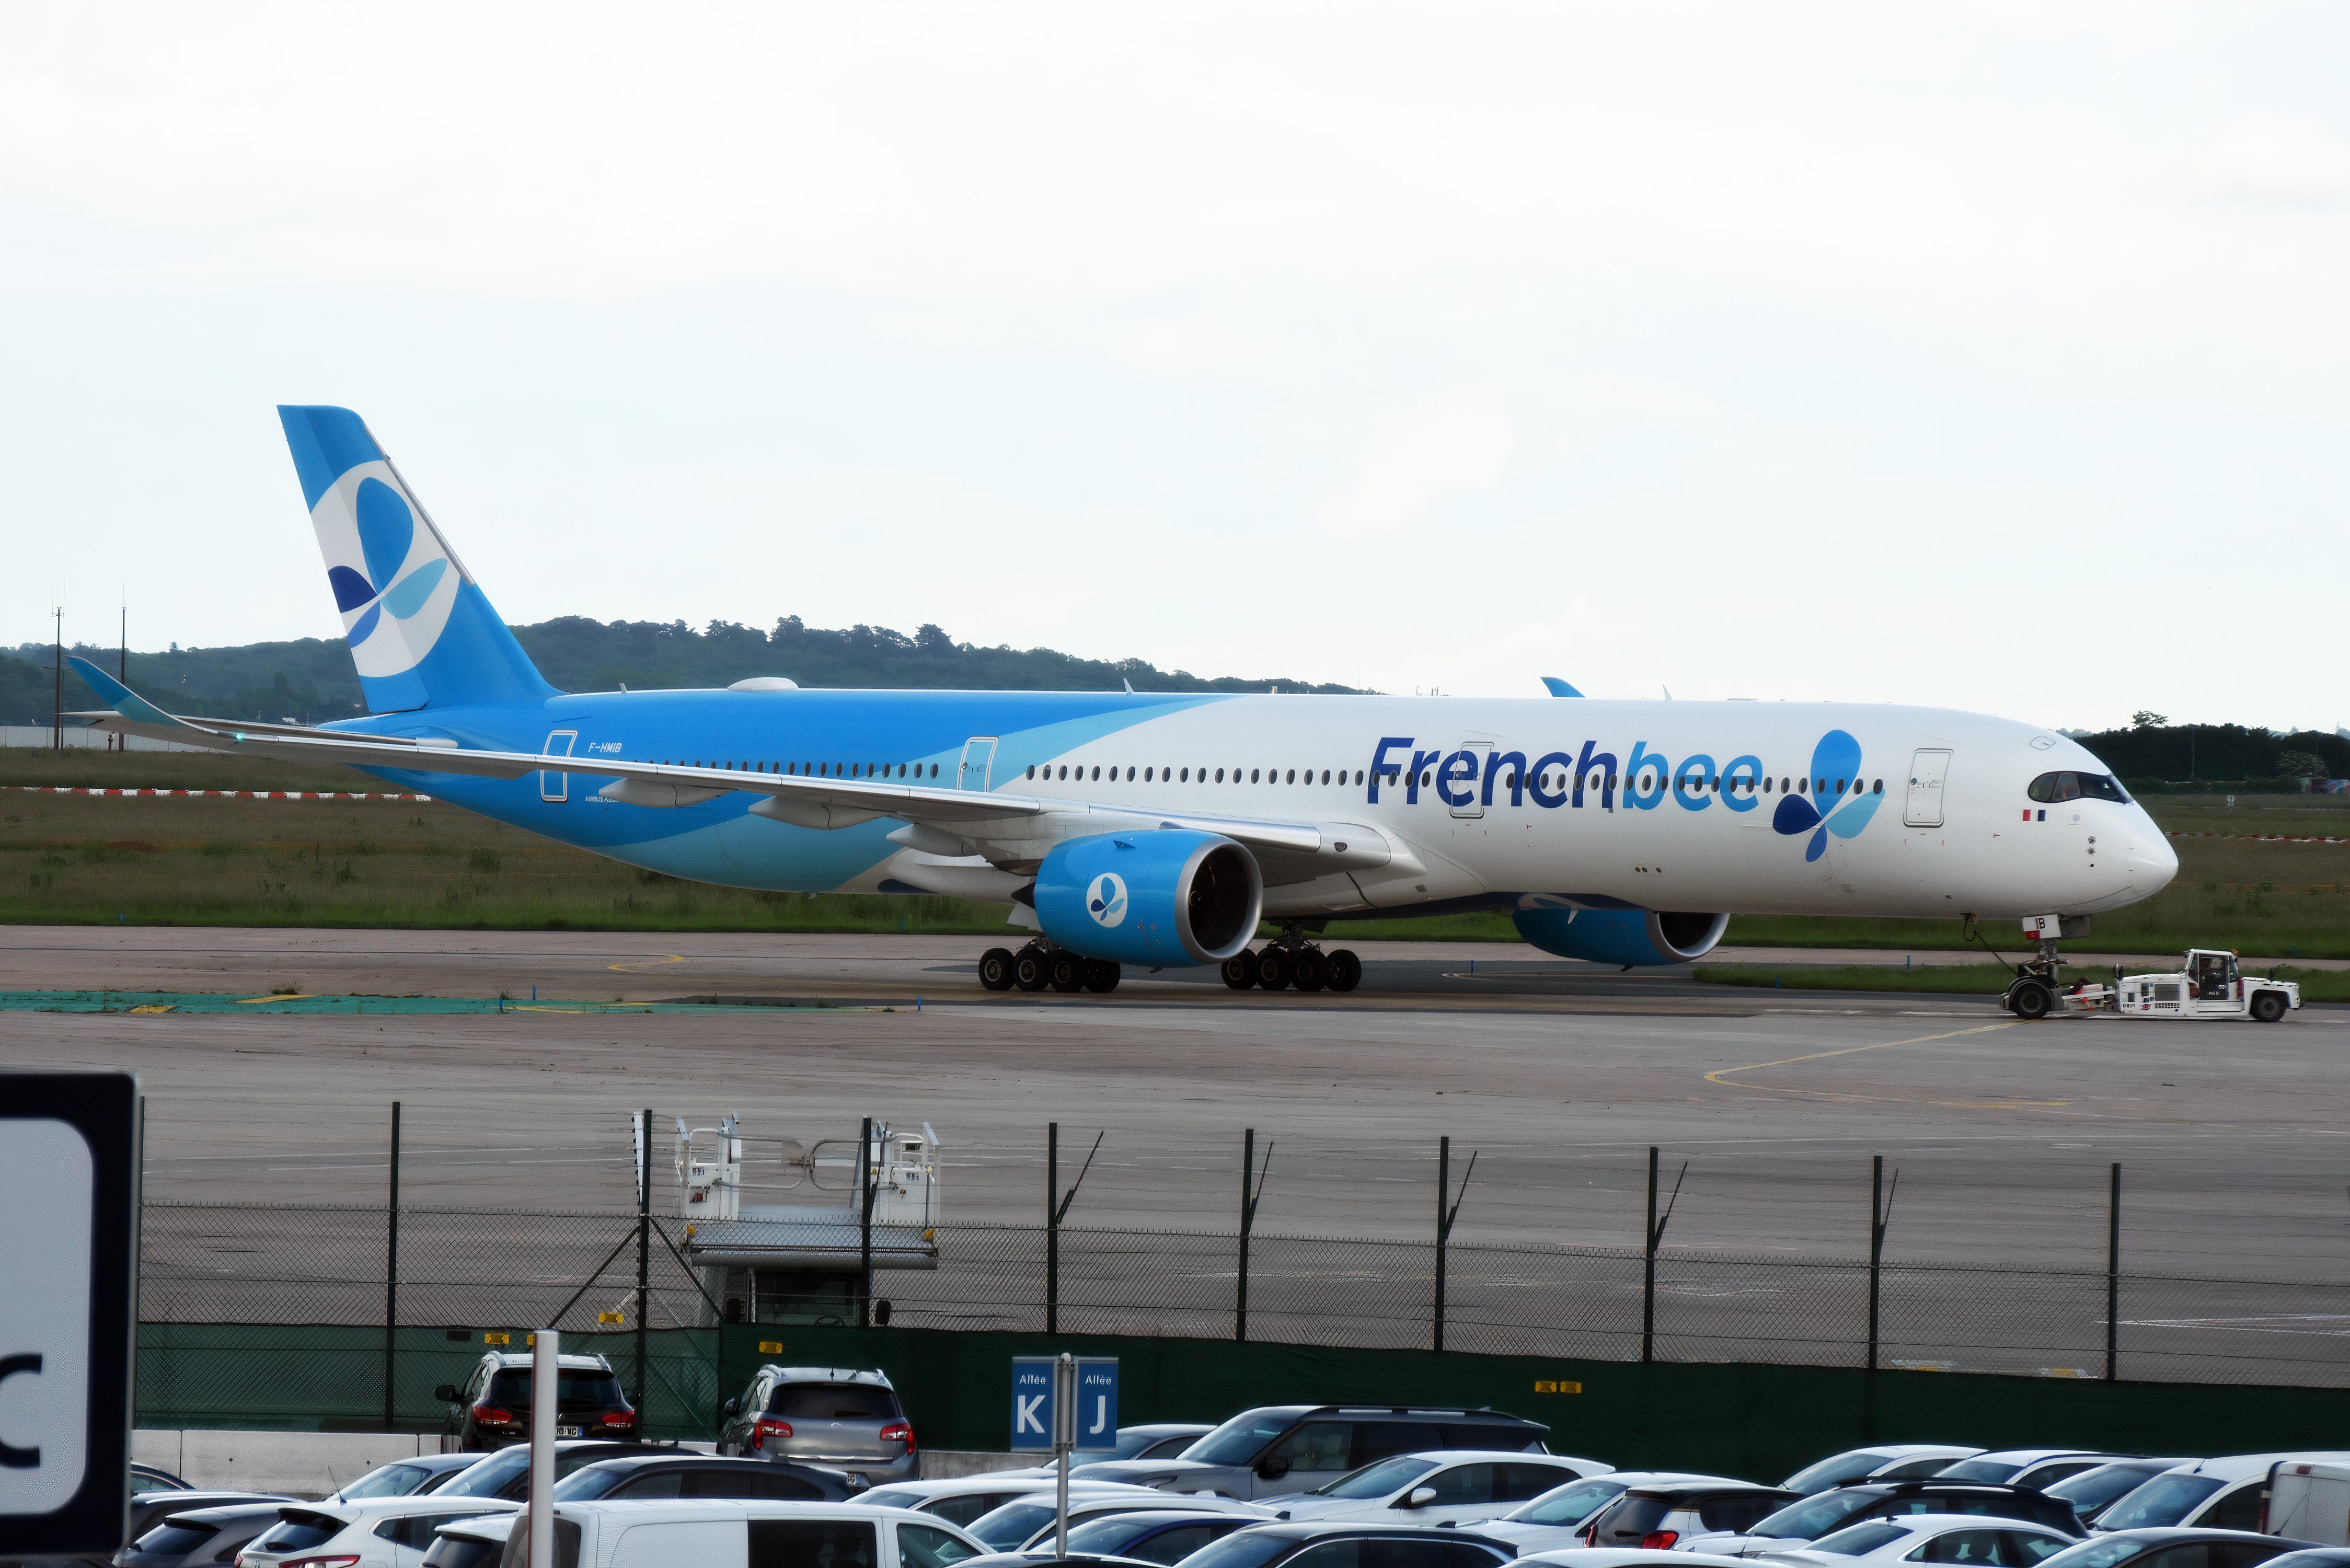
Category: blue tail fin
[420,628]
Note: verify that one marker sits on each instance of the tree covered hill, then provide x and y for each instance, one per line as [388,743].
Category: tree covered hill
[312,681]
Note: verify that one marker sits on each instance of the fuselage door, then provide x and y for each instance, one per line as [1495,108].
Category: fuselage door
[554,785]
[1480,752]
[978,764]
[1928,772]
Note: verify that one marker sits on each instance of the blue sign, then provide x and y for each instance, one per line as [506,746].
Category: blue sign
[1092,1426]
[1032,1403]
[1096,1404]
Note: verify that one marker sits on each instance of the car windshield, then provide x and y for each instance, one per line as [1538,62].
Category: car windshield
[489,1476]
[589,1481]
[1568,1505]
[2103,1552]
[833,1402]
[1837,1470]
[1993,1470]
[1860,1539]
[578,1386]
[1376,1480]
[1238,1441]
[1242,1549]
[2165,1499]
[1008,1528]
[385,1480]
[1815,1516]
[2093,1488]
[1132,1445]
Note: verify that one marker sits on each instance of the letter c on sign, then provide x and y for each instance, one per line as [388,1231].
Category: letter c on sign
[12,1457]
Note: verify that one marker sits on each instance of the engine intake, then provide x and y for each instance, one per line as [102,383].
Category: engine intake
[1621,936]
[1162,897]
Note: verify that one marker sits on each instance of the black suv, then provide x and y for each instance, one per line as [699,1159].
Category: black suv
[493,1404]
[1277,1450]
[1658,1518]
[1321,1544]
[1814,1517]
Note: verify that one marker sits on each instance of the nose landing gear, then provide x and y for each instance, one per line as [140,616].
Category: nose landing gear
[1040,965]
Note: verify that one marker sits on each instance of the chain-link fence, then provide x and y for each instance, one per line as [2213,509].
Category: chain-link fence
[466,1273]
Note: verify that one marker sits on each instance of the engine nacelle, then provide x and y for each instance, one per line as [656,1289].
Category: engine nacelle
[1621,936]
[1167,898]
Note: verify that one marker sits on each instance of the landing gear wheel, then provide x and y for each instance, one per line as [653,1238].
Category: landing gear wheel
[1028,971]
[1240,969]
[1345,970]
[1309,970]
[2268,1006]
[1274,968]
[1066,972]
[995,969]
[1101,976]
[2030,1001]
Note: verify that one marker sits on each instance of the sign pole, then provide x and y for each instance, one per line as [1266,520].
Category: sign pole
[546,1361]
[1064,1437]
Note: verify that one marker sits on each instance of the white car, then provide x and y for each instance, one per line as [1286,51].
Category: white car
[371,1532]
[2225,1493]
[1555,1521]
[1624,1557]
[1878,1462]
[1021,1522]
[701,1533]
[1969,1540]
[1438,1487]
[962,1500]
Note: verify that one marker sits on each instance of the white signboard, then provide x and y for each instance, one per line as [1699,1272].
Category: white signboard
[69,1148]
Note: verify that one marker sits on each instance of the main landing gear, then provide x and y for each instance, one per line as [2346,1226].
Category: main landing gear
[1291,960]
[1040,965]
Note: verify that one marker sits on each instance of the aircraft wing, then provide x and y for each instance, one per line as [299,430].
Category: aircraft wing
[1007,827]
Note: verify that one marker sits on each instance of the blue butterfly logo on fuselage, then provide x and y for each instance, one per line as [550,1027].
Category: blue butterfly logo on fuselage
[1836,779]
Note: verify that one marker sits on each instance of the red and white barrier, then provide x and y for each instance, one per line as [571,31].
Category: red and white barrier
[2262,837]
[220,793]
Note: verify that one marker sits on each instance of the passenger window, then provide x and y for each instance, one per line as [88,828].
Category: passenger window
[1329,1554]
[1967,1546]
[2019,1550]
[1462,1484]
[927,1546]
[1173,1545]
[658,1485]
[1523,1483]
[1316,1448]
[811,1543]
[1380,1440]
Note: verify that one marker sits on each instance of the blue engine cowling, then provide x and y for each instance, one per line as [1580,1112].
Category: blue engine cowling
[1621,936]
[1162,897]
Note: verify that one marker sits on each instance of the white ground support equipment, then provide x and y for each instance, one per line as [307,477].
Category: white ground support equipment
[2210,983]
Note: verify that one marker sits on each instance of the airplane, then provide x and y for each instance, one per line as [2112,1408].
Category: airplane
[1162,829]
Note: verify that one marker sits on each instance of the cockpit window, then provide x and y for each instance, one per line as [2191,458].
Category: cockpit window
[2050,788]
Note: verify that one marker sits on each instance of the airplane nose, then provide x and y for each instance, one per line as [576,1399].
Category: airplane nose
[2152,862]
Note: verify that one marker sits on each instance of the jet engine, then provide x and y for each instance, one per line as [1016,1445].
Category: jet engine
[1161,896]
[1621,936]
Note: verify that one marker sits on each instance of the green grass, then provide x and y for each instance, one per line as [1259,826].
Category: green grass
[1970,979]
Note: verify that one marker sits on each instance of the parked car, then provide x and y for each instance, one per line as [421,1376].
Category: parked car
[2034,1467]
[149,1509]
[1303,1544]
[1555,1521]
[1159,1440]
[2227,1493]
[198,1537]
[1658,1516]
[1027,1523]
[1619,1557]
[1814,1517]
[1449,1487]
[154,1477]
[967,1498]
[407,1477]
[1277,1450]
[637,1477]
[1969,1540]
[757,1533]
[382,1533]
[492,1408]
[2094,1491]
[1162,1535]
[506,1473]
[472,1542]
[2175,1549]
[1879,1461]
[2314,1557]
[827,1415]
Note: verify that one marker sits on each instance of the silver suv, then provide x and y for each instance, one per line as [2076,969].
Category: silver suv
[822,1415]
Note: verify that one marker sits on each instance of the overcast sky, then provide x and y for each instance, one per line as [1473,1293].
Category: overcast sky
[1989,356]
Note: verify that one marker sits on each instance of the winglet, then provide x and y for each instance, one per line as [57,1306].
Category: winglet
[120,698]
[1559,688]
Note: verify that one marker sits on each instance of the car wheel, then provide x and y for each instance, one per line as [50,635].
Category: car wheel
[2268,1006]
